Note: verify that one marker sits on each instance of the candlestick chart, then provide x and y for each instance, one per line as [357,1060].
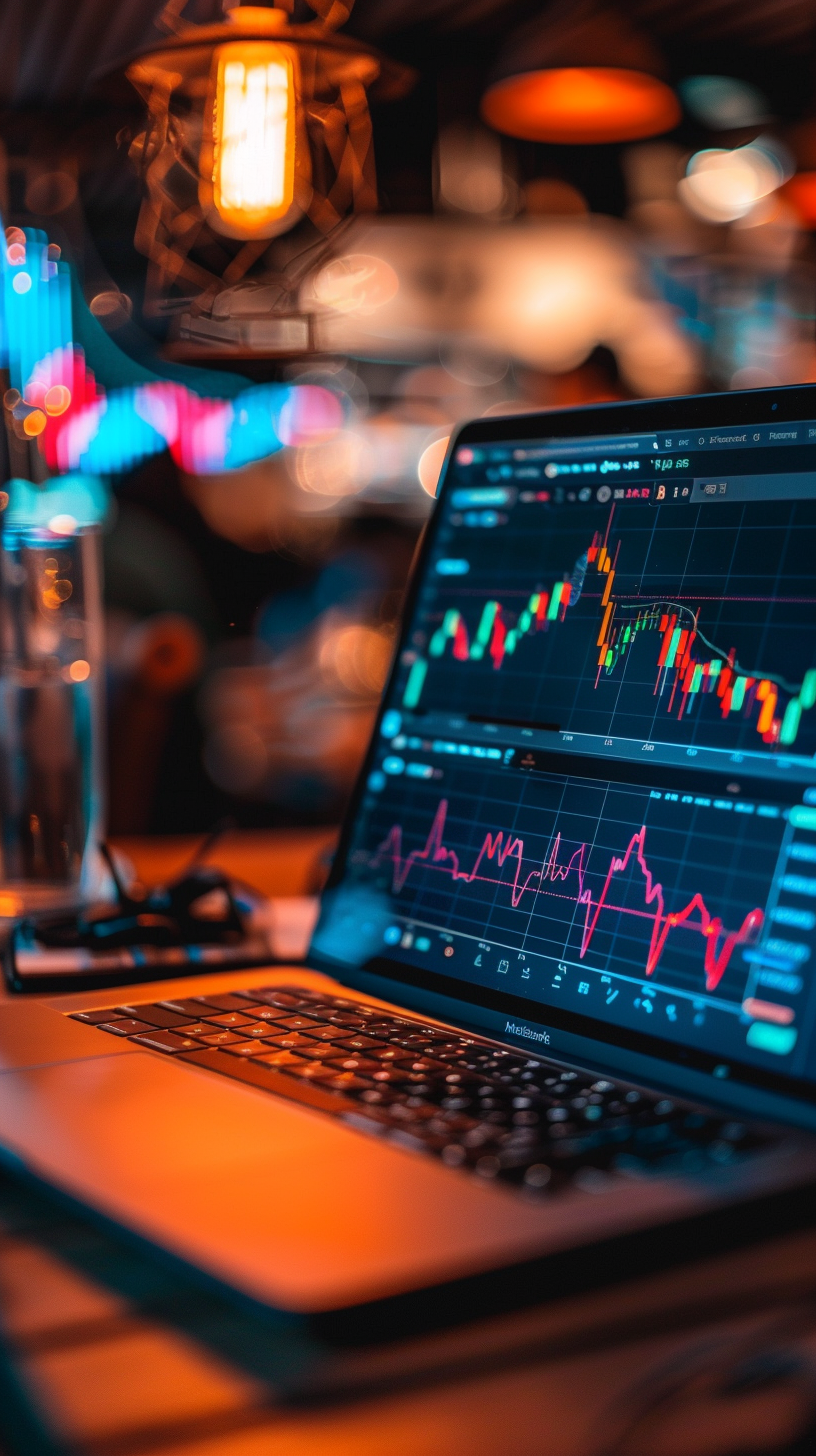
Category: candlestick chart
[605,623]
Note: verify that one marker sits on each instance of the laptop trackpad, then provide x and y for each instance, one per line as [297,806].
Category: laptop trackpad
[284,1203]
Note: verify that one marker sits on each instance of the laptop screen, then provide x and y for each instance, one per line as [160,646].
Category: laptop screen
[591,799]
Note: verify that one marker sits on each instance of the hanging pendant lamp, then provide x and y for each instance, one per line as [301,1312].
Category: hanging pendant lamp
[251,126]
[579,74]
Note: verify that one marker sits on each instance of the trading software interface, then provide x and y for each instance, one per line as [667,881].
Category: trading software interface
[594,786]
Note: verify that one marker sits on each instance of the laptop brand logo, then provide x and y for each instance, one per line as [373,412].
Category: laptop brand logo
[515,1030]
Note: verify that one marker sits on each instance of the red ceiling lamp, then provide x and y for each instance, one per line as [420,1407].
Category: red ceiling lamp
[580,74]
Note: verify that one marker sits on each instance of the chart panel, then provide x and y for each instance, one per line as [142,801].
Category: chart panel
[682,914]
[680,623]
[593,790]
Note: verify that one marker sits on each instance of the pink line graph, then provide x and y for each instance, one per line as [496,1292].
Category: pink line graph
[499,847]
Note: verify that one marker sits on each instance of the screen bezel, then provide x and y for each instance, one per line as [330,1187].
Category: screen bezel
[761,406]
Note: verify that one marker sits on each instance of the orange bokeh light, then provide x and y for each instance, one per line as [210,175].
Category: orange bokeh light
[34,424]
[57,399]
[430,464]
[800,192]
[79,671]
[581,105]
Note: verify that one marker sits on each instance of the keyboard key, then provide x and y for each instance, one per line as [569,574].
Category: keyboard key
[312,1071]
[329,1033]
[417,1041]
[245,1048]
[166,1041]
[322,1051]
[343,1004]
[190,1008]
[93,1018]
[280,1059]
[290,1039]
[126,1027]
[359,1043]
[298,1023]
[226,1037]
[363,1066]
[346,1082]
[283,999]
[227,1001]
[233,1018]
[153,1015]
[347,1019]
[258,1028]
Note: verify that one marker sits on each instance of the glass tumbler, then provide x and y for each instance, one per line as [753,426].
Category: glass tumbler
[51,813]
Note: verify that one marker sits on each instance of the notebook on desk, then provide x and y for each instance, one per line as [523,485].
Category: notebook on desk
[560,992]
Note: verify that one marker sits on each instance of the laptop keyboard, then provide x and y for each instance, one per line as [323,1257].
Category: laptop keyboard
[494,1111]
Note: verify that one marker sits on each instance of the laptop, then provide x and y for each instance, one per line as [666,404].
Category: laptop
[559,1001]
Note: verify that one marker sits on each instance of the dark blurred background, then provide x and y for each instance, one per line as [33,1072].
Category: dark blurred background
[250,615]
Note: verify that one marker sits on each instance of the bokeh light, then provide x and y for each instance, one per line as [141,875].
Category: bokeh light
[57,399]
[800,192]
[63,524]
[34,423]
[358,657]
[724,102]
[356,283]
[310,413]
[111,307]
[339,466]
[581,105]
[430,464]
[721,185]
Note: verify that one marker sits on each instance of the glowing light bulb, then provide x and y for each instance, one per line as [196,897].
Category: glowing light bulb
[248,158]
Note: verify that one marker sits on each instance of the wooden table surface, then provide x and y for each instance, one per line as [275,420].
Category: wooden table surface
[111,1352]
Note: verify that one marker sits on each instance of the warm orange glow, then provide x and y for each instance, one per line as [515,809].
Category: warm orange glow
[57,399]
[356,283]
[800,192]
[430,464]
[56,589]
[571,104]
[722,185]
[247,185]
[79,671]
[34,424]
